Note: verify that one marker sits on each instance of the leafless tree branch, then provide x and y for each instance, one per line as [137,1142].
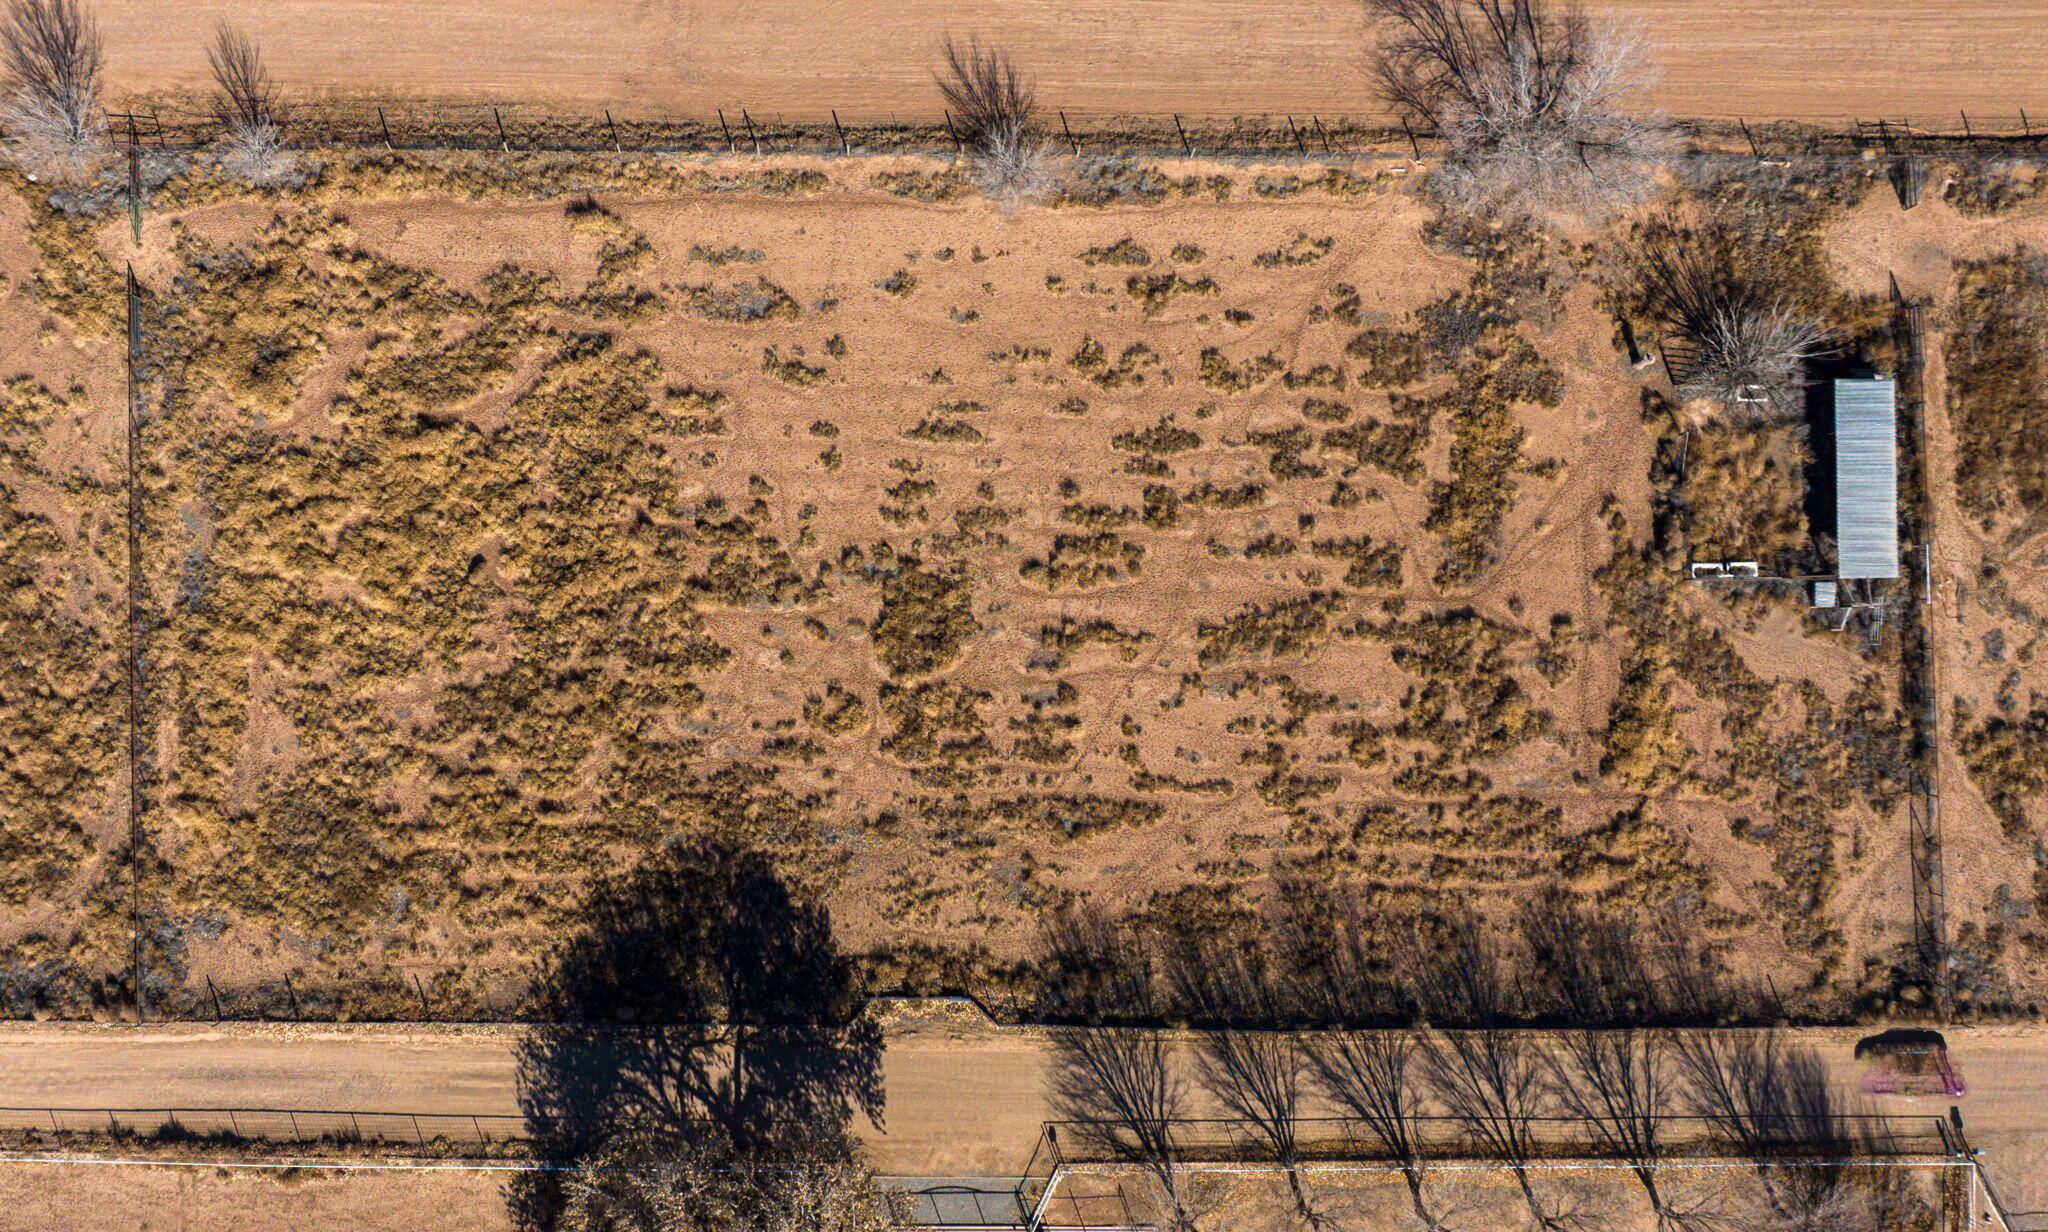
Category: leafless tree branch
[1751,347]
[1529,97]
[992,106]
[53,55]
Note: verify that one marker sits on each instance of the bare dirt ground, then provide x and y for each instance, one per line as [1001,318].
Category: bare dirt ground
[1835,60]
[963,1097]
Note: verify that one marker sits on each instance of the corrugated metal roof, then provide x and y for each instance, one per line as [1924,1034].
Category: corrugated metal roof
[1866,479]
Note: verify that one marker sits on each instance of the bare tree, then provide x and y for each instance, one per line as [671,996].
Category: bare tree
[1487,1072]
[53,56]
[1362,1067]
[642,1185]
[1118,1084]
[992,106]
[1615,1076]
[1529,97]
[1773,1105]
[246,104]
[1253,1070]
[1750,346]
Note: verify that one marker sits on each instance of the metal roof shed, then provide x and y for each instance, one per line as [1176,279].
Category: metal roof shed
[1866,479]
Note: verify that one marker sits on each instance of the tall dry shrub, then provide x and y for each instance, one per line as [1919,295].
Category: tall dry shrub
[992,107]
[1530,98]
[1750,345]
[245,102]
[53,55]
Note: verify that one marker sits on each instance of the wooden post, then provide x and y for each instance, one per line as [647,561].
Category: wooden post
[135,193]
[751,134]
[730,148]
[213,992]
[385,128]
[614,130]
[1072,145]
[1322,132]
[1967,134]
[1414,146]
[845,147]
[1300,143]
[503,143]
[1751,137]
[416,987]
[2026,129]
[954,133]
[1187,148]
[293,995]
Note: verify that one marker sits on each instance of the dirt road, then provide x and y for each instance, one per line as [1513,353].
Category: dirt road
[963,1097]
[1825,58]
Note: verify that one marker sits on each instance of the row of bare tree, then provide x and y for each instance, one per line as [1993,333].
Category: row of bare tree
[1296,1032]
[56,122]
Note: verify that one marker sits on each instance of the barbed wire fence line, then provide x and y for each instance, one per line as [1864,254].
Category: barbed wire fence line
[397,123]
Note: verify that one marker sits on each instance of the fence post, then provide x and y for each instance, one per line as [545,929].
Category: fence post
[1187,147]
[293,995]
[2026,129]
[845,148]
[474,1124]
[416,987]
[503,143]
[954,134]
[1300,145]
[1323,133]
[616,149]
[214,993]
[730,148]
[134,181]
[1967,134]
[1414,146]
[1751,138]
[232,1124]
[1073,146]
[751,134]
[385,129]
[295,1122]
[416,1128]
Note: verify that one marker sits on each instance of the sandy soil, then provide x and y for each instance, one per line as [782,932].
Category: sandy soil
[1832,60]
[967,560]
[963,1097]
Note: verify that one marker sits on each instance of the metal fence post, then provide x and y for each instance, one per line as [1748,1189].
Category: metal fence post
[1186,147]
[845,147]
[1072,145]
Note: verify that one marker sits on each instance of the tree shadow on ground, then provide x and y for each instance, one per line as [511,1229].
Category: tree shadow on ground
[703,1004]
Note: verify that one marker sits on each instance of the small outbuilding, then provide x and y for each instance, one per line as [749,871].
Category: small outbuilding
[1866,478]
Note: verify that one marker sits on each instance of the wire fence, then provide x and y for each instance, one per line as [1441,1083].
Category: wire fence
[1065,1143]
[515,126]
[274,1125]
